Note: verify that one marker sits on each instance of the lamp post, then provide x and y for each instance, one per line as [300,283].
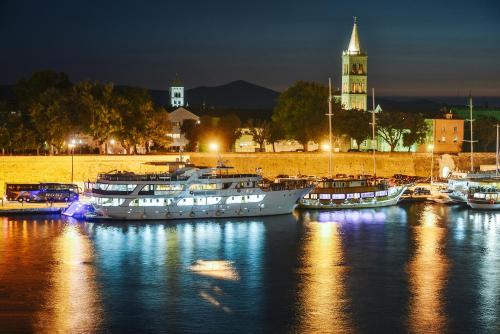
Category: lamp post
[431,149]
[71,147]
[214,147]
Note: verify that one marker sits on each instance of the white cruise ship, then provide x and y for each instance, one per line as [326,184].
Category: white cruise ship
[190,192]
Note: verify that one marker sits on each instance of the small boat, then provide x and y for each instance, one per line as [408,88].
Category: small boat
[352,193]
[486,196]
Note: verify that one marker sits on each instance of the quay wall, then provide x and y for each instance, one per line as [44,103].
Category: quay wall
[86,167]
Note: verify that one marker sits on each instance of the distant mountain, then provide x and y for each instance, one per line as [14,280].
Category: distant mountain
[423,106]
[237,94]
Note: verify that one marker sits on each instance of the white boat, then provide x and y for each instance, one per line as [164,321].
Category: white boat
[191,192]
[351,193]
[485,196]
[459,184]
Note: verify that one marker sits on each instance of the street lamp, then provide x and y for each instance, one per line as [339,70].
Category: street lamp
[71,147]
[326,147]
[430,147]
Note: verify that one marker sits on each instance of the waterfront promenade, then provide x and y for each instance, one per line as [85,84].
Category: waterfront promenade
[86,167]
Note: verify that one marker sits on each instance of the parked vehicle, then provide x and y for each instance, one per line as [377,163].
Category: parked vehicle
[41,192]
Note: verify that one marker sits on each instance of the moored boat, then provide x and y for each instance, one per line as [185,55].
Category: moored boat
[352,193]
[486,196]
[190,192]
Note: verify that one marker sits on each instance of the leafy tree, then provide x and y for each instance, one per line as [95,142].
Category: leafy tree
[229,130]
[260,130]
[276,133]
[301,112]
[391,127]
[190,131]
[354,124]
[104,110]
[417,130]
[158,128]
[49,115]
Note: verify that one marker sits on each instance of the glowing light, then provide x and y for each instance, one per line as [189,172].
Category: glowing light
[326,147]
[112,141]
[430,147]
[213,147]
[220,269]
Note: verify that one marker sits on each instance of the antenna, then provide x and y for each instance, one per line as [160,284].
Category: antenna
[330,148]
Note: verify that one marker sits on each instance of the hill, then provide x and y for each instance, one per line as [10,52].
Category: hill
[237,94]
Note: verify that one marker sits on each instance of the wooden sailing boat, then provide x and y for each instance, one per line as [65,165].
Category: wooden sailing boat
[351,192]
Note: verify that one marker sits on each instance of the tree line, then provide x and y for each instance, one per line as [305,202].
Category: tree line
[300,115]
[49,110]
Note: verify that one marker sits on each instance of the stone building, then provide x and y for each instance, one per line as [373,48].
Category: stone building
[354,74]
[177,94]
[176,117]
[445,134]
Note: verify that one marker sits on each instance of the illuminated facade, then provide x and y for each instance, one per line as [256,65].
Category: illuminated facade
[354,74]
[177,94]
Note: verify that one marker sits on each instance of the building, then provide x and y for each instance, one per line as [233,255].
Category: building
[354,74]
[177,94]
[446,135]
[177,117]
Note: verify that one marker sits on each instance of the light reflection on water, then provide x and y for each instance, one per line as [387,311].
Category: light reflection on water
[322,295]
[427,273]
[385,270]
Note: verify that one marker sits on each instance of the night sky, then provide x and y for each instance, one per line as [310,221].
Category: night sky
[415,48]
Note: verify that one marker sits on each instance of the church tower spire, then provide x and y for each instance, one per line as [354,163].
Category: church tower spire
[354,73]
[354,47]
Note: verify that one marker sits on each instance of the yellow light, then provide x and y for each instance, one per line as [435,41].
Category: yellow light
[73,142]
[326,147]
[71,145]
[430,147]
[112,141]
[213,147]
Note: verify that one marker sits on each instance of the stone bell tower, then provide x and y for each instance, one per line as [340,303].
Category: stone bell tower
[354,74]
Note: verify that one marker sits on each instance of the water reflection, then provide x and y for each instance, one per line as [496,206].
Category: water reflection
[322,295]
[489,272]
[72,301]
[427,272]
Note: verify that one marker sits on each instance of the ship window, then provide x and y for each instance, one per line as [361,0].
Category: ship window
[350,195]
[186,201]
[110,201]
[204,186]
[356,195]
[366,195]
[338,196]
[381,193]
[314,196]
[324,196]
[213,200]
[234,199]
[200,201]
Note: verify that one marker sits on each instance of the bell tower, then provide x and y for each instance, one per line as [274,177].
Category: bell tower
[177,93]
[354,74]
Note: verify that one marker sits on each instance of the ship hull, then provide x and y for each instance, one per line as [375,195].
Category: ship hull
[275,203]
[484,205]
[377,203]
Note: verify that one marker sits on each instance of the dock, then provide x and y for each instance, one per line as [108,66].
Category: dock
[16,208]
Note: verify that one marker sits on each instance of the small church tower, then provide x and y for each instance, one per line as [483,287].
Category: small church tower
[354,74]
[176,94]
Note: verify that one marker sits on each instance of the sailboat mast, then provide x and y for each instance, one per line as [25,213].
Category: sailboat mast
[373,134]
[330,147]
[471,136]
[496,152]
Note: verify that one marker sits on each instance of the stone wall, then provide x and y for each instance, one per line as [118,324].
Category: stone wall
[86,167]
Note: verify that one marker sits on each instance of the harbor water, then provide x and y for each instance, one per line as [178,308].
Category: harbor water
[419,268]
